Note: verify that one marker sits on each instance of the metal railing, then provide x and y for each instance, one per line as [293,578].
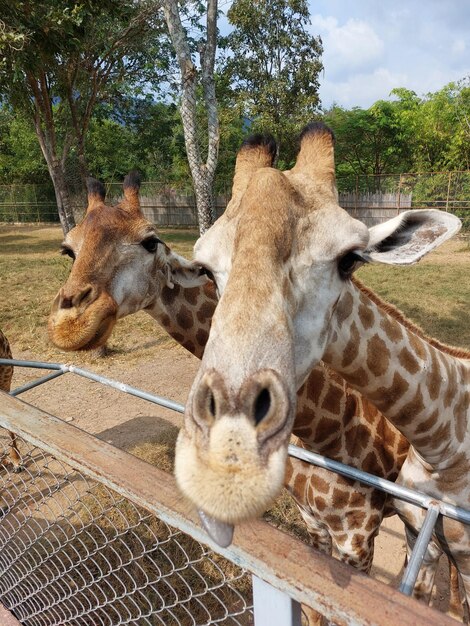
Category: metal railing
[91,535]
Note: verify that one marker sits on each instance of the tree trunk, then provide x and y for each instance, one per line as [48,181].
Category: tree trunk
[202,173]
[204,201]
[64,206]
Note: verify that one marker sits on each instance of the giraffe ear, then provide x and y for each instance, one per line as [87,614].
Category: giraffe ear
[96,193]
[131,186]
[257,151]
[185,273]
[408,237]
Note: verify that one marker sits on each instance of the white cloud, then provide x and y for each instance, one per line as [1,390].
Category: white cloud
[352,45]
[458,47]
[361,89]
[371,47]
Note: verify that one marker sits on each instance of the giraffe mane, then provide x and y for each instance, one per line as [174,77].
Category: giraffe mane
[459,353]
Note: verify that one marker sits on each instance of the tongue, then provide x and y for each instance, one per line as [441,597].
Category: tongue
[220,532]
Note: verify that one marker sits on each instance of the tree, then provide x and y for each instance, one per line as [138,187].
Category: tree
[273,63]
[21,160]
[71,55]
[439,125]
[370,142]
[202,169]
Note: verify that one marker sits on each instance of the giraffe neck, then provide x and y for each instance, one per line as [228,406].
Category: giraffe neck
[186,314]
[422,389]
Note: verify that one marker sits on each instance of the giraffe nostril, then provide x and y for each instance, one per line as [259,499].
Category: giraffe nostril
[66,303]
[83,295]
[212,407]
[262,405]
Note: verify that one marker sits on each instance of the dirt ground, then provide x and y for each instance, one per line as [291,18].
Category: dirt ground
[126,422]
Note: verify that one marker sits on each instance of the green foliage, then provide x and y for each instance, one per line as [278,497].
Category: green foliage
[20,155]
[369,142]
[273,63]
[438,126]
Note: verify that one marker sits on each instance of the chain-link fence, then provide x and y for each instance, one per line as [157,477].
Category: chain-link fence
[168,203]
[75,551]
[447,191]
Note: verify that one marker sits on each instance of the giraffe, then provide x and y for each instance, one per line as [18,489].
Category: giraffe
[120,266]
[6,375]
[283,256]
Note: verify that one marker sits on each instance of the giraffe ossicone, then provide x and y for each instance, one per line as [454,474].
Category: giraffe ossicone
[282,255]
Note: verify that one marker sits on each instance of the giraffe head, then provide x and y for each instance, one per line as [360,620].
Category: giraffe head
[282,255]
[120,266]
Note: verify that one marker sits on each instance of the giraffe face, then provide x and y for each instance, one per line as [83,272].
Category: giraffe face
[120,266]
[282,256]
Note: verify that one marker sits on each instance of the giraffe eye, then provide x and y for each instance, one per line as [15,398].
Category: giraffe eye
[66,251]
[204,271]
[150,244]
[349,262]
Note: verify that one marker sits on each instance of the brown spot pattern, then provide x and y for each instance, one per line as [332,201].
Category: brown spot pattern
[392,329]
[335,522]
[325,428]
[378,356]
[189,345]
[460,416]
[185,318]
[408,361]
[357,500]
[340,498]
[344,308]
[366,315]
[385,397]
[202,336]
[316,380]
[434,378]
[372,522]
[355,519]
[319,484]
[191,295]
[412,409]
[359,378]
[299,483]
[320,503]
[170,295]
[332,400]
[428,424]
[417,346]
[451,391]
[206,311]
[352,347]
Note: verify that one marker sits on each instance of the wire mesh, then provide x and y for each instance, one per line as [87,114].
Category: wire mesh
[73,551]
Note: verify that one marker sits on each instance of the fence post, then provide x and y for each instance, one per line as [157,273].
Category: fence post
[448,191]
[357,192]
[399,194]
[272,607]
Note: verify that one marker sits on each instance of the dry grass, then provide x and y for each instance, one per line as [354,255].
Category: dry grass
[435,294]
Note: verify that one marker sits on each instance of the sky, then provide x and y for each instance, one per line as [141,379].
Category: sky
[372,46]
